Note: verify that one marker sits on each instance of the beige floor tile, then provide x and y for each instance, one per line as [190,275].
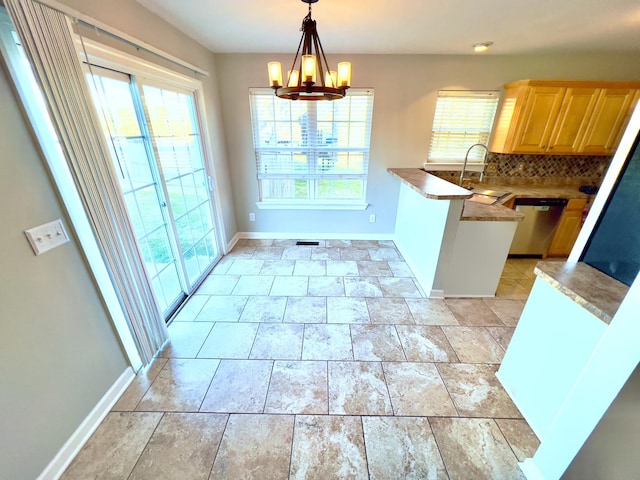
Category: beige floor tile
[502,335]
[289,286]
[358,388]
[268,253]
[253,285]
[338,243]
[527,283]
[384,254]
[278,341]
[239,386]
[136,389]
[476,392]
[354,254]
[218,285]
[242,251]
[296,253]
[525,265]
[416,389]
[327,342]
[373,269]
[427,311]
[222,266]
[508,311]
[255,447]
[365,243]
[186,339]
[326,287]
[191,308]
[222,309]
[264,309]
[510,271]
[473,312]
[400,269]
[123,435]
[328,447]
[474,448]
[347,310]
[229,340]
[362,287]
[183,446]
[244,266]
[342,268]
[513,289]
[389,311]
[399,287]
[322,253]
[298,387]
[402,448]
[474,344]
[386,243]
[376,343]
[310,267]
[306,310]
[180,386]
[258,242]
[523,441]
[277,267]
[425,344]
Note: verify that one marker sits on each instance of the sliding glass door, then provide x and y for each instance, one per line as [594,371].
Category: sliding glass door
[158,158]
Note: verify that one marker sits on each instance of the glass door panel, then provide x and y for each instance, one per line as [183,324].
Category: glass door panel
[175,133]
[144,196]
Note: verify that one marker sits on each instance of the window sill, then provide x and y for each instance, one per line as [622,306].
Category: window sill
[310,206]
[436,167]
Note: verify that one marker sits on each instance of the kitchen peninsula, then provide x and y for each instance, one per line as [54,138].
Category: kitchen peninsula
[455,247]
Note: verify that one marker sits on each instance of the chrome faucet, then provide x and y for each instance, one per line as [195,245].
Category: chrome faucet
[466,158]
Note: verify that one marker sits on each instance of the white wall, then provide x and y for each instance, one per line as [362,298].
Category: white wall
[405,87]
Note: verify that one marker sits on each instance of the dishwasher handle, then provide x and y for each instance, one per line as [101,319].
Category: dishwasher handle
[550,202]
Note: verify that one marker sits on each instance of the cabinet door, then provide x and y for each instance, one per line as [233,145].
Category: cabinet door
[568,229]
[573,120]
[609,118]
[538,118]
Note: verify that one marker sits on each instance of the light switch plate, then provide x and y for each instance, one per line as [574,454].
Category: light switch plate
[45,237]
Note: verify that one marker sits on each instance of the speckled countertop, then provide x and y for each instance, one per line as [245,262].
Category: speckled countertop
[429,186]
[535,191]
[435,188]
[590,288]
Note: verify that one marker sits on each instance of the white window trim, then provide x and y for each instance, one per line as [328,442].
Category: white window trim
[297,204]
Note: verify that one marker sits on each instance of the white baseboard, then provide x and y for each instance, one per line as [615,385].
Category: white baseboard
[232,242]
[530,469]
[76,441]
[436,294]
[314,236]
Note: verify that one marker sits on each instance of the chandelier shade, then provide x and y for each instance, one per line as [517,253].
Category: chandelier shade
[310,77]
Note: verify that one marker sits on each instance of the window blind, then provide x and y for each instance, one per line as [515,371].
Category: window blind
[311,143]
[462,118]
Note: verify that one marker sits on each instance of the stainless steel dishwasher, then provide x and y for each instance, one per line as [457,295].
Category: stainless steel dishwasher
[535,232]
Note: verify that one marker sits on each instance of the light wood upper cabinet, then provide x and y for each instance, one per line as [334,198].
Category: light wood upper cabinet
[563,117]
[611,114]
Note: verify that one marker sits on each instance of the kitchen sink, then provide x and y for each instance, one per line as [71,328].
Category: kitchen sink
[487,197]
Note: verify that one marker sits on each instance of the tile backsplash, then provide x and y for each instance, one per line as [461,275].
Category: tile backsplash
[518,169]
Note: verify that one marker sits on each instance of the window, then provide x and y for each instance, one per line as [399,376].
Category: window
[462,118]
[312,154]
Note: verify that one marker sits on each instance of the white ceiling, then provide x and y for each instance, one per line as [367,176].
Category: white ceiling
[409,26]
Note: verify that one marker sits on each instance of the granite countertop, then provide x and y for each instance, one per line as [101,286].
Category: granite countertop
[535,191]
[593,290]
[435,188]
[429,186]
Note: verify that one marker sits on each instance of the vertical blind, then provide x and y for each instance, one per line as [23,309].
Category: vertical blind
[462,118]
[46,38]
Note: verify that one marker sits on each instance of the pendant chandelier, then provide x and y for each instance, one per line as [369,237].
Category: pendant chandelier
[311,79]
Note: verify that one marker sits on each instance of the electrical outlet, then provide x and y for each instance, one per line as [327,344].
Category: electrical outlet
[521,167]
[372,218]
[45,237]
[252,217]
[492,168]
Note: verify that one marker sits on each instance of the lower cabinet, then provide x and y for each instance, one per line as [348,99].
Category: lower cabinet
[568,228]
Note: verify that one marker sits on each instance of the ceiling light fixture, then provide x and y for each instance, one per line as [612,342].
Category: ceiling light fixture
[482,47]
[312,79]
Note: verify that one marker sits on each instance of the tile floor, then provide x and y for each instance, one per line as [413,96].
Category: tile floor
[321,363]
